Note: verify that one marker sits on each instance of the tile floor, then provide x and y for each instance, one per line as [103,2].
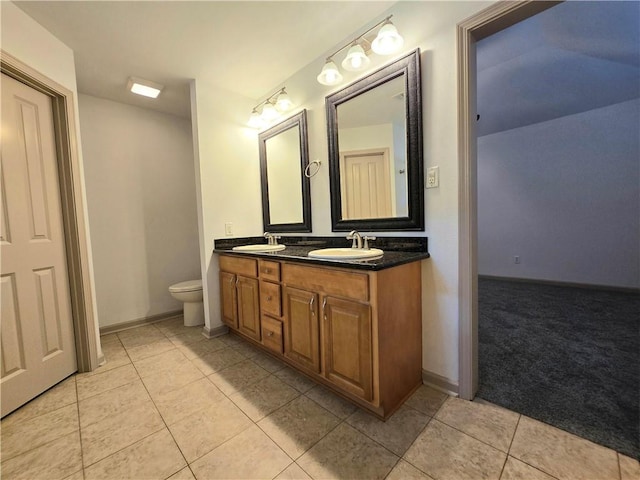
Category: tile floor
[171,404]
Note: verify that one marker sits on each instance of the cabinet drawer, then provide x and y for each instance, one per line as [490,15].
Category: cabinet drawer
[269,270]
[331,281]
[270,299]
[272,334]
[242,266]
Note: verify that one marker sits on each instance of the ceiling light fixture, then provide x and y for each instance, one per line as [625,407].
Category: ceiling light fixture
[270,109]
[387,41]
[145,88]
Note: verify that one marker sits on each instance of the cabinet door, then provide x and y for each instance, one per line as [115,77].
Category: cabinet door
[301,336]
[347,346]
[248,307]
[229,299]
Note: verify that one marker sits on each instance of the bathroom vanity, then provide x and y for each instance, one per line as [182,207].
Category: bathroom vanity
[355,327]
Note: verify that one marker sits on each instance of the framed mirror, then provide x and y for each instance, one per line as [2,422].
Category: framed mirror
[375,150]
[284,156]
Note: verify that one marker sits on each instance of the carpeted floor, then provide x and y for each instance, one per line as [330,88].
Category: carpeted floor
[569,357]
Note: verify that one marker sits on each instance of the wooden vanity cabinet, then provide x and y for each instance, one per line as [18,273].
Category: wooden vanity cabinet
[302,328]
[239,295]
[357,332]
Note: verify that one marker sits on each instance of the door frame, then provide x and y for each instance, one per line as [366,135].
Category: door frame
[491,20]
[73,207]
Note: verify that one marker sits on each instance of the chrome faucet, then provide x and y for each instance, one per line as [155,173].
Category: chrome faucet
[271,238]
[356,237]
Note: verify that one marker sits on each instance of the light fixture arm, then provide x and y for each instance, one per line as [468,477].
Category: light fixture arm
[270,98]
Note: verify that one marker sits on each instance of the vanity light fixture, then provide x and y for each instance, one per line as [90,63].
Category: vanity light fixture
[387,41]
[268,110]
[145,88]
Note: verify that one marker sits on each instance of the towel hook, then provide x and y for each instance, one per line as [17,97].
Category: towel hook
[307,170]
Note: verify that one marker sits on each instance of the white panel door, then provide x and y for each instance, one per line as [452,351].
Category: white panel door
[366,184]
[36,334]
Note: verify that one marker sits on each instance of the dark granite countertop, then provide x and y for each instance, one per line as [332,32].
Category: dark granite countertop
[397,250]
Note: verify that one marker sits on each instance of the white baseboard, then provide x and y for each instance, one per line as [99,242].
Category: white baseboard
[439,382]
[118,327]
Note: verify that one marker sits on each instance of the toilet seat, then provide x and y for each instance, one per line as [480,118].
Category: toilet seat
[188,286]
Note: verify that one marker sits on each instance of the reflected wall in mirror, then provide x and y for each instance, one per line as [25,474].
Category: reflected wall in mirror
[284,155]
[375,150]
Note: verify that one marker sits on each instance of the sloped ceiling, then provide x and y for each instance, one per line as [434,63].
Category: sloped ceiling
[243,47]
[574,57]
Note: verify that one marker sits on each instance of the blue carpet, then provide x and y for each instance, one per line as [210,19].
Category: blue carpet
[566,356]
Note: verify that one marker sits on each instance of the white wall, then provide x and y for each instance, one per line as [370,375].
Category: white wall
[142,207]
[29,42]
[229,167]
[563,195]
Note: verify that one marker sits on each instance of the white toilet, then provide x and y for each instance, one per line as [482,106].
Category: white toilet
[190,293]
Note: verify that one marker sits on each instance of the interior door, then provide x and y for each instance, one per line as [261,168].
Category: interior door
[366,184]
[36,336]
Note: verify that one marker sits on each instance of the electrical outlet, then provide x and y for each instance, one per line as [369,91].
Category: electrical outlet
[228,229]
[516,259]
[433,177]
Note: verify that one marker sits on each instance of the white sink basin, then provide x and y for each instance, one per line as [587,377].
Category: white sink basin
[259,248]
[346,253]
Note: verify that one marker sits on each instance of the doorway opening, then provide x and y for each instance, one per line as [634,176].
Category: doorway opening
[523,206]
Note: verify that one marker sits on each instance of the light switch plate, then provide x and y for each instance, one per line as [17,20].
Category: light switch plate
[228,229]
[433,177]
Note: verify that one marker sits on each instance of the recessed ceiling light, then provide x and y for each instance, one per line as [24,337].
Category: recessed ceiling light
[146,88]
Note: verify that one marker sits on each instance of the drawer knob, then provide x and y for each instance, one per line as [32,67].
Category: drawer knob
[269,334]
[267,270]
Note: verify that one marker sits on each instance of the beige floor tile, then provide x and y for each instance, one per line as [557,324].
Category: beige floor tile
[298,425]
[217,360]
[79,475]
[260,399]
[206,429]
[115,356]
[184,474]
[293,472]
[187,337]
[135,337]
[329,400]
[427,400]
[347,453]
[562,454]
[238,376]
[118,431]
[173,326]
[269,363]
[111,402]
[486,422]
[54,460]
[406,471]
[150,349]
[178,404]
[108,339]
[155,456]
[249,455]
[200,349]
[62,394]
[231,339]
[29,434]
[397,433]
[448,454]
[629,468]
[95,384]
[514,469]
[246,349]
[297,380]
[172,379]
[159,363]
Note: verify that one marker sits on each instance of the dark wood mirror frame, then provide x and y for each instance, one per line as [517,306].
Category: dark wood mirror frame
[409,67]
[299,120]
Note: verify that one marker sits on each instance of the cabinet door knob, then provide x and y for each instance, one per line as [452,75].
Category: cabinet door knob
[269,298]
